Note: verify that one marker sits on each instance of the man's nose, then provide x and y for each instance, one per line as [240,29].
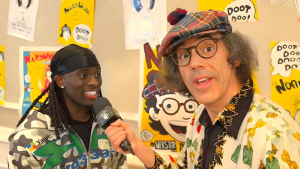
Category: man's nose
[93,81]
[196,60]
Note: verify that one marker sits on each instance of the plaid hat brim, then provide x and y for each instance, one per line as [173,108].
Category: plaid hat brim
[194,24]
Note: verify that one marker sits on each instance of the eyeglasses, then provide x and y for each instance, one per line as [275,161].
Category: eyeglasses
[206,48]
[171,106]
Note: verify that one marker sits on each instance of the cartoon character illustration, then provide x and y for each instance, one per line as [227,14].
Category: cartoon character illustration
[169,111]
[65,32]
[24,3]
[27,88]
[285,156]
[1,93]
[1,56]
[23,6]
[143,7]
[48,80]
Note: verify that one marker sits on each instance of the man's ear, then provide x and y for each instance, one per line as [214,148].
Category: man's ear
[236,63]
[59,80]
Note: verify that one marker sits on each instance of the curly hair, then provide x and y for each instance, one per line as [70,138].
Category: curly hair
[239,48]
[155,125]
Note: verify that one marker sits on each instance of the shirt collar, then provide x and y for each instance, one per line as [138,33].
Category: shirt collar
[233,114]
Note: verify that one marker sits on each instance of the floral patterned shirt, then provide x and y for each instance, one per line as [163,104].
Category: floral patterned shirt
[252,132]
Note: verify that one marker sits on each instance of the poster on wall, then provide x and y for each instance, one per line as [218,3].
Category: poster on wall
[294,4]
[144,21]
[255,82]
[164,113]
[22,18]
[35,74]
[285,76]
[76,22]
[2,75]
[274,2]
[237,10]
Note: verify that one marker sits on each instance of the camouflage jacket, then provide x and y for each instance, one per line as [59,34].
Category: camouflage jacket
[33,145]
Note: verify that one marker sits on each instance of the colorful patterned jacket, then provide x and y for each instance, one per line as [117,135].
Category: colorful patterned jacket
[268,138]
[33,145]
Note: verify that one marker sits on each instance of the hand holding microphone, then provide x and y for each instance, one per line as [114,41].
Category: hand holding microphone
[105,115]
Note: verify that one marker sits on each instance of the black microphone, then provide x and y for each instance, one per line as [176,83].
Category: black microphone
[105,115]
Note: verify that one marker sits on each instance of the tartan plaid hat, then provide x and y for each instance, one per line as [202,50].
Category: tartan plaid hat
[187,25]
[154,86]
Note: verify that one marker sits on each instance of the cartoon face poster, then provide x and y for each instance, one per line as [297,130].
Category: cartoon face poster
[237,10]
[144,21]
[2,75]
[164,112]
[76,22]
[285,79]
[35,74]
[22,18]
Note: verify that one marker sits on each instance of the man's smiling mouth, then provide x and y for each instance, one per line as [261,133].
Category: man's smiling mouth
[91,93]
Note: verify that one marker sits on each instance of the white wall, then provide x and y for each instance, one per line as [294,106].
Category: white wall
[120,68]
[4,145]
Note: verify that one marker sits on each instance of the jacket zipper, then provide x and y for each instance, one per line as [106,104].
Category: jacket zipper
[88,152]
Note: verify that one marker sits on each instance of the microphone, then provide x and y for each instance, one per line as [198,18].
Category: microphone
[105,115]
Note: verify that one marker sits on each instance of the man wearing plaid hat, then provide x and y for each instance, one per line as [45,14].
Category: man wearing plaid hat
[234,127]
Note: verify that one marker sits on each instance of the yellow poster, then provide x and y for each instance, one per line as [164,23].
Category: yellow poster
[2,75]
[237,10]
[35,74]
[255,83]
[285,79]
[164,112]
[76,22]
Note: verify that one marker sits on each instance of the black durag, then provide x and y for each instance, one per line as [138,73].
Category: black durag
[72,58]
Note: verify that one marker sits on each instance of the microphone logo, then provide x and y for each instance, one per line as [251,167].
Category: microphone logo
[104,115]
